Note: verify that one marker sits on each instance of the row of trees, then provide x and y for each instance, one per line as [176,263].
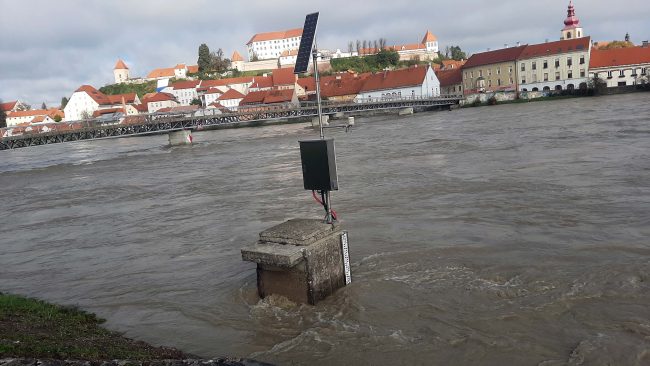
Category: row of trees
[362,46]
[383,59]
[212,62]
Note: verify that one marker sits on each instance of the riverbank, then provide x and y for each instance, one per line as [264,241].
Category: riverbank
[35,332]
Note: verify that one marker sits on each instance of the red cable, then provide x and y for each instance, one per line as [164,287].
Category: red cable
[313,193]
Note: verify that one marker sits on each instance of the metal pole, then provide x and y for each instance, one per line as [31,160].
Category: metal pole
[320,112]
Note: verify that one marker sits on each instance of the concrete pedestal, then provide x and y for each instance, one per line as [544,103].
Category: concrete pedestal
[405,111]
[182,137]
[300,259]
[326,121]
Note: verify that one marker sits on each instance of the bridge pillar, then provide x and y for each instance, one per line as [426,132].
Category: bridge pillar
[405,111]
[182,137]
[326,121]
[303,260]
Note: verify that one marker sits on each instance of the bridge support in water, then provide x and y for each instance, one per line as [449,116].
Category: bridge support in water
[405,111]
[315,124]
[182,137]
[300,259]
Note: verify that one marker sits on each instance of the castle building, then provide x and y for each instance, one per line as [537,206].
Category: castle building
[121,72]
[572,28]
[270,45]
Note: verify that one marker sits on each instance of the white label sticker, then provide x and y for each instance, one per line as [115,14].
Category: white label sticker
[346,257]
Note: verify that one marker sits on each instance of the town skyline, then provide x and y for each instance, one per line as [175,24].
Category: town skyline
[82,48]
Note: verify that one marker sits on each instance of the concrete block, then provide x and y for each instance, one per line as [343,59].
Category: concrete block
[314,121]
[182,137]
[405,111]
[300,259]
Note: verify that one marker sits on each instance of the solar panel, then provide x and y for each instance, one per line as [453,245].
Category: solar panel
[306,43]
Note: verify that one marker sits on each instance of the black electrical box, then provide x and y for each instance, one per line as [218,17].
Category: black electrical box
[319,165]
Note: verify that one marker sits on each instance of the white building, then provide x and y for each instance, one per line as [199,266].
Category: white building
[271,45]
[414,82]
[121,72]
[560,65]
[86,100]
[185,91]
[159,101]
[231,99]
[621,66]
[16,118]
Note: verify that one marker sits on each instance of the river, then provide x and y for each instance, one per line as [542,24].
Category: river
[506,235]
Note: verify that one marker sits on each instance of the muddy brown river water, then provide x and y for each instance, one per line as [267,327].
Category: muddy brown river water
[507,235]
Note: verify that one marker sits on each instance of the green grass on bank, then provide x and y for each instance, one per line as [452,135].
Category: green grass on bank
[35,329]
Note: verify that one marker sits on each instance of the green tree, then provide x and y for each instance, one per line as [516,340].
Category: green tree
[3,117]
[196,101]
[385,58]
[457,54]
[64,102]
[43,106]
[57,118]
[204,58]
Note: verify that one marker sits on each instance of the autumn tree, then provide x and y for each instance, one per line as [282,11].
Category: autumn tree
[219,63]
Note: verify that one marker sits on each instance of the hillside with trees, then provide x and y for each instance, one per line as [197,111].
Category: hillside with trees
[371,63]
[122,88]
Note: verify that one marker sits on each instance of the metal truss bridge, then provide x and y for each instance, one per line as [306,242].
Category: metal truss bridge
[160,123]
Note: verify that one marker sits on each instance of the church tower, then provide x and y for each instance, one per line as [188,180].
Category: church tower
[572,28]
[121,72]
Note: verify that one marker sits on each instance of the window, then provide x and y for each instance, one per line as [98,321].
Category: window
[644,71]
[534,78]
[523,81]
[534,65]
[489,72]
[621,74]
[609,74]
[480,73]
[557,75]
[569,61]
[490,82]
[472,73]
[510,69]
[546,76]
[499,82]
[557,63]
[582,73]
[570,74]
[582,60]
[523,67]
[498,71]
[512,81]
[545,64]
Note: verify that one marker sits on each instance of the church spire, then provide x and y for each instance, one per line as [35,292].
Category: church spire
[572,28]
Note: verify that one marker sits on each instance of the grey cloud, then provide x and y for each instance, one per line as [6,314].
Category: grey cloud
[49,48]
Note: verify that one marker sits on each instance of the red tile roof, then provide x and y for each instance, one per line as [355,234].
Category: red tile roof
[619,57]
[161,73]
[225,82]
[309,84]
[120,98]
[38,119]
[284,77]
[395,79]
[193,69]
[269,36]
[159,97]
[181,108]
[120,65]
[555,48]
[231,94]
[236,57]
[494,57]
[52,112]
[6,107]
[279,96]
[262,82]
[254,97]
[450,77]
[99,97]
[453,64]
[188,84]
[102,112]
[343,86]
[429,37]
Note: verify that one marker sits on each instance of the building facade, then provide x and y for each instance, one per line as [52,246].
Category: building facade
[560,65]
[414,82]
[270,45]
[121,72]
[621,66]
[492,71]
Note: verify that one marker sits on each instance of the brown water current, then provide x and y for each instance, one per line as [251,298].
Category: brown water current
[506,235]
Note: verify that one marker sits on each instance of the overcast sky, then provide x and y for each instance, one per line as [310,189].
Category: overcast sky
[49,48]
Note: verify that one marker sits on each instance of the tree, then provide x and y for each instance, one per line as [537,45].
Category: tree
[196,101]
[364,46]
[64,102]
[86,115]
[219,63]
[376,45]
[3,117]
[43,106]
[254,57]
[382,43]
[616,44]
[457,54]
[204,58]
[57,118]
[597,85]
[358,47]
[350,47]
[387,58]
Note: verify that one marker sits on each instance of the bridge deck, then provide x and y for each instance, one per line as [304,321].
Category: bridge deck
[156,123]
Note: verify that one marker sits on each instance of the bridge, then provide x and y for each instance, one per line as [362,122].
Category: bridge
[204,119]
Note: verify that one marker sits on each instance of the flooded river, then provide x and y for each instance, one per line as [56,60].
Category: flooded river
[506,235]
